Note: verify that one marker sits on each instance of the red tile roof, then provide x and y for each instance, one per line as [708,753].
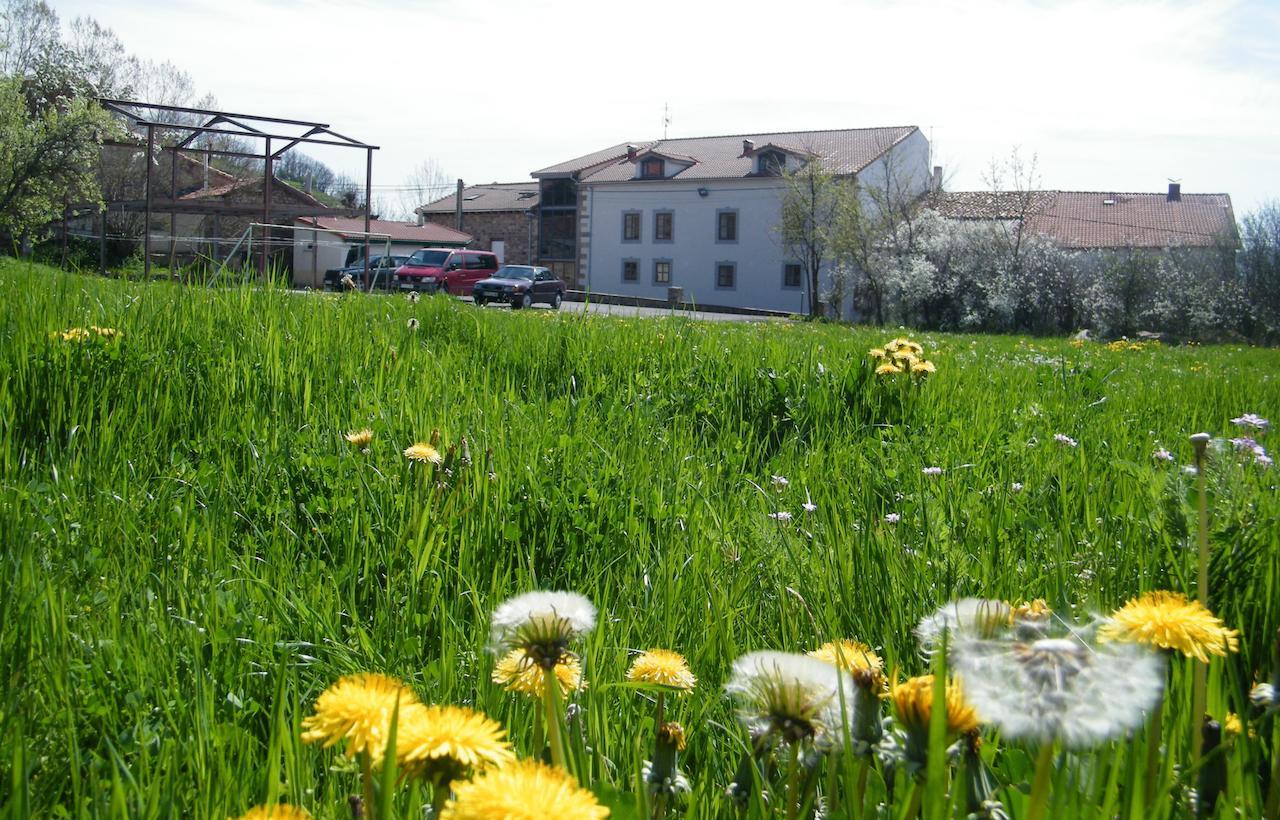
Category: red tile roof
[844,151]
[223,188]
[1086,220]
[406,232]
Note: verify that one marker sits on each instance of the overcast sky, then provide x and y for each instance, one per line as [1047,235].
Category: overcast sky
[1110,96]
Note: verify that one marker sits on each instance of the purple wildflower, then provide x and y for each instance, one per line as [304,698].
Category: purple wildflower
[1252,421]
[1162,455]
[1064,439]
[892,518]
[932,471]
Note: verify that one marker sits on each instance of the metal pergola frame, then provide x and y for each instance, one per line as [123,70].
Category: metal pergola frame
[140,114]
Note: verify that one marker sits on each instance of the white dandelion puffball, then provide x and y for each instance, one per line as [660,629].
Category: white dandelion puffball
[793,695]
[575,613]
[1061,688]
[965,619]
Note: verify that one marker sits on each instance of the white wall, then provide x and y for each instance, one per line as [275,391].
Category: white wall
[315,252]
[694,251]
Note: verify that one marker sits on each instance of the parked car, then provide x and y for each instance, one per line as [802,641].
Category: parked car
[520,286]
[455,271]
[381,269]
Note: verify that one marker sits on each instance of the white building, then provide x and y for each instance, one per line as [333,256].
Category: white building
[703,214]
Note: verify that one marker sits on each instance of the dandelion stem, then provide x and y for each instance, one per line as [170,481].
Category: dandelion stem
[1155,729]
[366,775]
[917,795]
[793,782]
[1039,802]
[551,704]
[1199,683]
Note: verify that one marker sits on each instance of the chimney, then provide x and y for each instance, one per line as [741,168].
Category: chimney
[1175,192]
[935,182]
[748,146]
[422,218]
[631,153]
[457,207]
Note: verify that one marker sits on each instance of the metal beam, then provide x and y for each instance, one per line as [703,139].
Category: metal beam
[207,112]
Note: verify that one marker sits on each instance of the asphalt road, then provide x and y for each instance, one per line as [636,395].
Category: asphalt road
[647,312]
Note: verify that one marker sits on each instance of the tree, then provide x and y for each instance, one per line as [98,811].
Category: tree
[1259,268]
[29,33]
[48,158]
[811,206]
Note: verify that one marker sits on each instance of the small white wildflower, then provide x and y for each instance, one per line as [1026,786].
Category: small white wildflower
[892,518]
[1064,439]
[780,515]
[1189,470]
[780,482]
[932,471]
[1162,455]
[809,506]
[1016,486]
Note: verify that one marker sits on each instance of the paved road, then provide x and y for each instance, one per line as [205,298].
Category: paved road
[628,310]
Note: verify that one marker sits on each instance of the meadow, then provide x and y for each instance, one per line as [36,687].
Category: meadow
[191,551]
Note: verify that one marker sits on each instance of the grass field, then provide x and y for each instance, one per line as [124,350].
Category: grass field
[190,551]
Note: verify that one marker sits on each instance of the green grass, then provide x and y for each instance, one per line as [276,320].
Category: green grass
[190,551]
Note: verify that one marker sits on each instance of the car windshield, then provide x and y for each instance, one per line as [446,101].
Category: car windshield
[513,272]
[431,259]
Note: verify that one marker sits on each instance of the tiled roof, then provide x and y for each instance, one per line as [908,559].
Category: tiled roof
[586,161]
[1094,220]
[499,196]
[427,234]
[844,151]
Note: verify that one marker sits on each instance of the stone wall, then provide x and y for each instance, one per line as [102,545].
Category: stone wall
[511,227]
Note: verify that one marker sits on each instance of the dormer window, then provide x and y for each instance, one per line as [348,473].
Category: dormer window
[652,168]
[772,163]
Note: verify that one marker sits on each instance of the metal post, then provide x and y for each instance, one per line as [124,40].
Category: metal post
[368,207]
[102,240]
[173,216]
[146,228]
[266,207]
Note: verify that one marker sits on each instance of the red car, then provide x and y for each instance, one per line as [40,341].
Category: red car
[455,271]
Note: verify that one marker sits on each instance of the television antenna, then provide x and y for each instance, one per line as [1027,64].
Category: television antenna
[666,119]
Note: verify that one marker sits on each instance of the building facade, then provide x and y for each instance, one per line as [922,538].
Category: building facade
[500,217]
[702,216]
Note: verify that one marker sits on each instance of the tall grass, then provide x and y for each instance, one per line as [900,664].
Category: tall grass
[190,551]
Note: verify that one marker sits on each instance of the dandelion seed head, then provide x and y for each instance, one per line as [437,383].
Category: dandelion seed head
[1060,688]
[543,624]
[794,697]
[965,619]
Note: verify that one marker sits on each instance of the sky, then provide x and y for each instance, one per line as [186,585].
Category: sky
[1106,95]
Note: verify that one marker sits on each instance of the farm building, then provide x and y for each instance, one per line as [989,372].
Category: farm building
[334,242]
[502,217]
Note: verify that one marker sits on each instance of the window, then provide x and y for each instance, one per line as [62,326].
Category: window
[631,226]
[651,169]
[726,226]
[791,275]
[726,274]
[662,272]
[662,226]
[630,270]
[481,261]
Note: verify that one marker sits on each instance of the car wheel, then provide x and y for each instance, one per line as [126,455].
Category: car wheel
[555,301]
[526,300]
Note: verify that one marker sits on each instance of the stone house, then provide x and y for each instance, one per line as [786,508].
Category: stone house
[501,217]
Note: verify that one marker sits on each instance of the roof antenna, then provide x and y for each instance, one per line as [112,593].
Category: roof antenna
[666,119]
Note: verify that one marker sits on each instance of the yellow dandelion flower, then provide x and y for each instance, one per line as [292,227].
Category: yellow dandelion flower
[1231,725]
[517,672]
[1036,611]
[876,353]
[75,334]
[848,655]
[423,453]
[360,438]
[898,344]
[887,368]
[925,366]
[524,790]
[662,667]
[913,704]
[1077,343]
[442,743]
[357,708]
[278,811]
[1168,620]
[105,332]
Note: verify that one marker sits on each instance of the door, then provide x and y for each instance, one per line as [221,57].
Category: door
[499,248]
